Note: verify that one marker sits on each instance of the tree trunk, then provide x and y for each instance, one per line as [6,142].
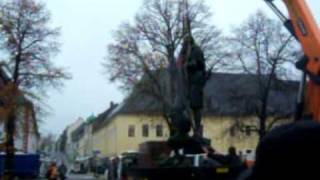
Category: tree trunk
[262,128]
[172,85]
[169,124]
[172,74]
[9,158]
[263,116]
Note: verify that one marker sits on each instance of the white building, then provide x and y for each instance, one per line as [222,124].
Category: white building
[71,147]
[27,135]
[26,132]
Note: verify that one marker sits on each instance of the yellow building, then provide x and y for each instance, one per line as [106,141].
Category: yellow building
[228,117]
[125,132]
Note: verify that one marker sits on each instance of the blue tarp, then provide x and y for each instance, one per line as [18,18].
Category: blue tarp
[25,165]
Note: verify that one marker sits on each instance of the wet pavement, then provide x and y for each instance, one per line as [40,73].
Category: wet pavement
[79,177]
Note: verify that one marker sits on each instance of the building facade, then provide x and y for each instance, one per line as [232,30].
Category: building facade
[125,132]
[84,138]
[229,116]
[27,134]
[71,149]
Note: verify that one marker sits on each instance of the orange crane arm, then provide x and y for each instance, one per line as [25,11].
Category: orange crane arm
[307,32]
[303,26]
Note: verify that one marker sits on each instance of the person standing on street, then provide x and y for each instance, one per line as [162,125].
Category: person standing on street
[233,159]
[62,171]
[52,173]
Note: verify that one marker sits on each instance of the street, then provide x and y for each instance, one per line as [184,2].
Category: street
[80,177]
[60,157]
[77,177]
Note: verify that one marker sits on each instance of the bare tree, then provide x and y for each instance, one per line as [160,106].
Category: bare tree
[27,44]
[149,47]
[261,47]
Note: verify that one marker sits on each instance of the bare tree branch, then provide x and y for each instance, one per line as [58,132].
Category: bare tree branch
[260,46]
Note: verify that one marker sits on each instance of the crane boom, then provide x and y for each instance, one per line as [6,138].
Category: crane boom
[303,26]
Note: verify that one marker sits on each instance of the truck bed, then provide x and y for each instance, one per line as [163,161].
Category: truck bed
[186,173]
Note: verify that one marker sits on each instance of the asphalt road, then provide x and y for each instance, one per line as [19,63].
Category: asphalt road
[78,177]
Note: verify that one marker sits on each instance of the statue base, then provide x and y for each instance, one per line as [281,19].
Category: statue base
[189,145]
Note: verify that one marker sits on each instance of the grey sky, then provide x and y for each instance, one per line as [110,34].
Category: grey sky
[86,27]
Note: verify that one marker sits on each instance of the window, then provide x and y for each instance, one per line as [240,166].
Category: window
[159,130]
[248,130]
[131,131]
[145,130]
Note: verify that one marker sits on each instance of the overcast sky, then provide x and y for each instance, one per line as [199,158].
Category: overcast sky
[86,27]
